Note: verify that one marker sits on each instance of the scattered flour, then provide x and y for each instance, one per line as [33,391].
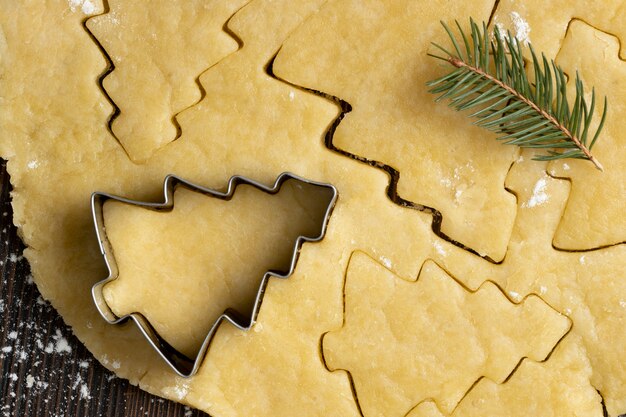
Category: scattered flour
[26,344]
[457,195]
[539,194]
[83,388]
[515,296]
[521,27]
[116,364]
[62,346]
[86,6]
[439,248]
[74,4]
[14,258]
[181,391]
[33,164]
[622,304]
[459,182]
[84,392]
[543,289]
[30,381]
[386,261]
[581,260]
[292,95]
[446,182]
[565,167]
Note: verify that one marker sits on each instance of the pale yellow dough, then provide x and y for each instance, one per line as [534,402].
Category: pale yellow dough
[594,216]
[589,287]
[405,342]
[372,54]
[183,268]
[558,387]
[158,49]
[545,23]
[283,130]
[53,118]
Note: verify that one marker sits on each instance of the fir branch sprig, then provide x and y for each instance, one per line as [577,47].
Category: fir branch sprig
[490,78]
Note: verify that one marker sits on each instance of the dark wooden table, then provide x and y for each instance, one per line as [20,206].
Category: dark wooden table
[46,371]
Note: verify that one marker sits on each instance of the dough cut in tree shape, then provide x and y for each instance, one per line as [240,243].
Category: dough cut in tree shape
[558,387]
[594,214]
[405,342]
[229,121]
[60,151]
[379,65]
[209,254]
[54,121]
[545,23]
[589,287]
[157,50]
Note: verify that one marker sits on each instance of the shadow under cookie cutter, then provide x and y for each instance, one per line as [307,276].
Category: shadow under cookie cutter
[181,364]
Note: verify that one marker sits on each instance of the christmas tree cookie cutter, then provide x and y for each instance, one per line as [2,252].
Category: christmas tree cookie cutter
[181,364]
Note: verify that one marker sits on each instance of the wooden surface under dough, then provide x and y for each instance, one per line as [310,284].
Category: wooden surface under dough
[41,375]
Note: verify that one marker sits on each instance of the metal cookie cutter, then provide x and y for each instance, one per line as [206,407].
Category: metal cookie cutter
[181,364]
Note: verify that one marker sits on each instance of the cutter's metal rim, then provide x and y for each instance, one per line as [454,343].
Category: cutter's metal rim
[182,365]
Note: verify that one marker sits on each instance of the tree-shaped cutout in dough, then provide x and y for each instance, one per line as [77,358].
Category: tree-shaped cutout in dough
[157,50]
[589,287]
[558,387]
[545,22]
[373,55]
[595,212]
[185,267]
[405,342]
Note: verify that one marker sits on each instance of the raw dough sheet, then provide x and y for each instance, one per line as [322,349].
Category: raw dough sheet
[528,263]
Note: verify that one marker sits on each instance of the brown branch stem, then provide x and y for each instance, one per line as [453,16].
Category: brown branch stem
[461,64]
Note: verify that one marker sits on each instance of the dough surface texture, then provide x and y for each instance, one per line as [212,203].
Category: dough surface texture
[251,86]
[392,325]
[157,50]
[183,268]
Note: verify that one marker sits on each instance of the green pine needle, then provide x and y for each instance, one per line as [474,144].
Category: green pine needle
[490,79]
